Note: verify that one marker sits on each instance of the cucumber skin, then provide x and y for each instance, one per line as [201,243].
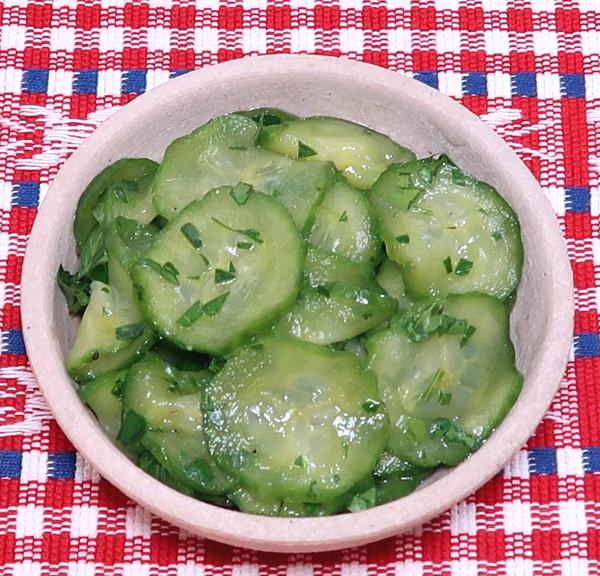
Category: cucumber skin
[124,169]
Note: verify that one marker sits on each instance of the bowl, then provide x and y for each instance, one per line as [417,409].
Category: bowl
[410,113]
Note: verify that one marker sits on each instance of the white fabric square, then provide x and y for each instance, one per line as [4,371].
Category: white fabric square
[447,4]
[556,195]
[159,38]
[245,569]
[30,521]
[111,39]
[351,40]
[517,517]
[109,83]
[592,85]
[84,521]
[498,85]
[518,467]
[10,81]
[543,5]
[354,569]
[300,570]
[191,569]
[136,569]
[574,567]
[12,37]
[6,190]
[595,194]
[494,5]
[465,567]
[569,462]
[496,42]
[302,39]
[572,516]
[155,78]
[297,3]
[391,4]
[60,82]
[4,245]
[450,83]
[137,523]
[81,569]
[254,40]
[548,85]
[27,568]
[206,39]
[399,40]
[85,472]
[409,568]
[463,519]
[544,42]
[448,41]
[519,567]
[256,4]
[62,38]
[34,466]
[356,4]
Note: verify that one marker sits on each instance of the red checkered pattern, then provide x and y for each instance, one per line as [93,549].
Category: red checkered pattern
[529,68]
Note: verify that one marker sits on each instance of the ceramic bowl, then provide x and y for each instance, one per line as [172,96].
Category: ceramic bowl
[410,113]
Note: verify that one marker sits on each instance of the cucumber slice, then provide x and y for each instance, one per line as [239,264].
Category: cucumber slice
[167,399]
[343,224]
[150,465]
[335,312]
[390,279]
[112,333]
[294,420]
[182,360]
[223,153]
[102,396]
[321,268]
[131,178]
[447,376]
[233,269]
[253,502]
[186,458]
[128,239]
[267,116]
[359,153]
[449,231]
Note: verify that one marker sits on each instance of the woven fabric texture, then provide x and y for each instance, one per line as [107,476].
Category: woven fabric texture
[528,68]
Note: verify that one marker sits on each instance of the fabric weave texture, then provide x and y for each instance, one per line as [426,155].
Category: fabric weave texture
[528,68]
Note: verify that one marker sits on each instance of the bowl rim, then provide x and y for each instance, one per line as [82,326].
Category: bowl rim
[293,534]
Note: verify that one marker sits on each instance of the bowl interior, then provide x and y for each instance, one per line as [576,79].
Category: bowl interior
[409,113]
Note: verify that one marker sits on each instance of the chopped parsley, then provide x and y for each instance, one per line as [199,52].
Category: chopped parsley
[248,232]
[451,432]
[371,406]
[166,270]
[192,235]
[305,151]
[129,331]
[197,310]
[132,427]
[447,265]
[403,239]
[241,192]
[463,267]
[224,276]
[343,217]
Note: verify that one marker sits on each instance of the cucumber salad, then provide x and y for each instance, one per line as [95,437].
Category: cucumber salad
[293,316]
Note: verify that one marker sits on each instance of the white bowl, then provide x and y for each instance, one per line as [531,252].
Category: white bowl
[410,113]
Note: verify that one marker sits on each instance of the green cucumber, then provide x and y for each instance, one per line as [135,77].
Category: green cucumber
[221,271]
[322,268]
[267,116]
[294,420]
[447,376]
[344,224]
[450,232]
[128,179]
[103,397]
[359,153]
[223,153]
[335,312]
[391,280]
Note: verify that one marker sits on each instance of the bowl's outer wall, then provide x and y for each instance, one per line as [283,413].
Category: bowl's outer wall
[410,113]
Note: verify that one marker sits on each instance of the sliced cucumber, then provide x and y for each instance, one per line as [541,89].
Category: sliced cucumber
[223,153]
[322,268]
[391,280]
[361,154]
[182,360]
[344,225]
[449,231]
[112,333]
[167,399]
[127,240]
[447,376]
[253,502]
[152,466]
[221,271]
[127,179]
[102,395]
[336,312]
[294,420]
[267,116]
[186,458]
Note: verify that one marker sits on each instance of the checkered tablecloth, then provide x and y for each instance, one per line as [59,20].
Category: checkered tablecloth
[529,68]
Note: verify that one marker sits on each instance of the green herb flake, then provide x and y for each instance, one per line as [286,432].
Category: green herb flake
[364,500]
[223,276]
[343,217]
[129,331]
[305,151]
[447,264]
[434,386]
[117,389]
[167,270]
[366,315]
[245,245]
[132,427]
[403,239]
[93,252]
[241,192]
[344,450]
[76,290]
[444,397]
[371,406]
[192,235]
[299,462]
[497,236]
[458,177]
[197,310]
[323,291]
[180,382]
[238,147]
[451,432]
[211,308]
[463,267]
[200,470]
[469,331]
[248,232]
[311,489]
